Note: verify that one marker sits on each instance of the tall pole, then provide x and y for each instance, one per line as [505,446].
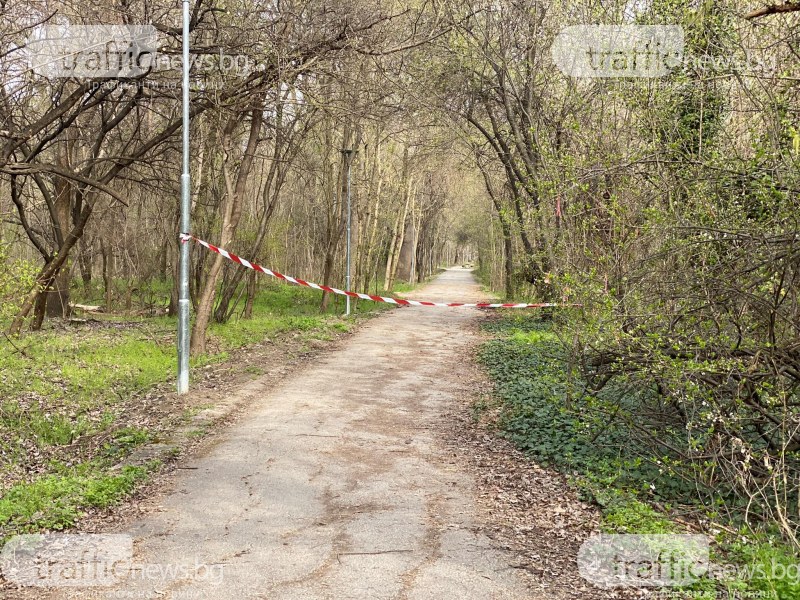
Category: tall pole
[348,157]
[183,286]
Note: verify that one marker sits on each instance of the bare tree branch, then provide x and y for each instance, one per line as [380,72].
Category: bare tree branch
[773,9]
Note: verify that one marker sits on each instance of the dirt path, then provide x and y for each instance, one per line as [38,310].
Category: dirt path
[334,484]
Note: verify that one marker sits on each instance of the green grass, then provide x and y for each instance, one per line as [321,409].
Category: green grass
[623,513]
[56,501]
[61,382]
[46,428]
[281,308]
[155,292]
[62,385]
[124,440]
[766,566]
[88,367]
[401,287]
[546,411]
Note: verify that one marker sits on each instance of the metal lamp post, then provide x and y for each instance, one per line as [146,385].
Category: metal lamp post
[347,156]
[183,286]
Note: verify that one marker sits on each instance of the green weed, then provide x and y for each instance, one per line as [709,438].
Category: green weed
[60,386]
[56,501]
[548,412]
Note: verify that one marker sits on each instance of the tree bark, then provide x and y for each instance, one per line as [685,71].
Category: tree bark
[773,10]
[108,274]
[284,153]
[50,270]
[337,231]
[231,214]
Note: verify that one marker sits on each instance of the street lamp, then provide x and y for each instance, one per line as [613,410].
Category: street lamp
[183,285]
[347,156]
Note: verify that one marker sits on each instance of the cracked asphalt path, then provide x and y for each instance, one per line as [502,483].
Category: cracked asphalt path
[333,485]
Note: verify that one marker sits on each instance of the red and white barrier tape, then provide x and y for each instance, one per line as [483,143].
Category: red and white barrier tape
[400,301]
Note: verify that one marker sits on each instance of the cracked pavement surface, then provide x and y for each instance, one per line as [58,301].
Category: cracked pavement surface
[334,485]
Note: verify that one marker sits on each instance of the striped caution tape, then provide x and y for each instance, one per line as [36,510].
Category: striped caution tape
[325,288]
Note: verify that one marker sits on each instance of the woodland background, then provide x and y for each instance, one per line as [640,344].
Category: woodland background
[667,207]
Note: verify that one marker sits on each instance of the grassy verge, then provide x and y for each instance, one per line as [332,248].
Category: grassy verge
[541,406]
[56,501]
[63,391]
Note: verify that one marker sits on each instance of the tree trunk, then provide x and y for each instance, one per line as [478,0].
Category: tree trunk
[252,288]
[85,260]
[38,311]
[270,195]
[406,258]
[387,278]
[50,270]
[232,212]
[108,274]
[57,295]
[338,231]
[508,258]
[399,238]
[57,305]
[371,249]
